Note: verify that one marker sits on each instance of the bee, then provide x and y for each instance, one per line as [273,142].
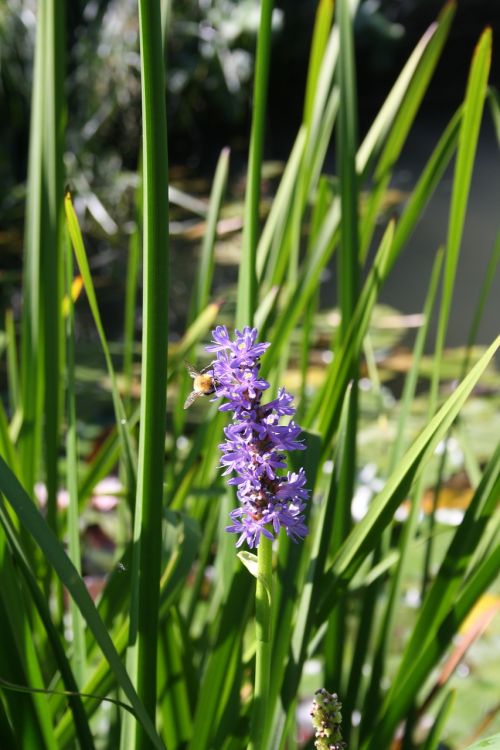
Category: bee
[204,383]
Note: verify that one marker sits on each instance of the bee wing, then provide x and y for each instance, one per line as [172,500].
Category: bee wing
[191,398]
[208,368]
[191,370]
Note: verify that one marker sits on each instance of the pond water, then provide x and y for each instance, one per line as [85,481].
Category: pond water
[407,285]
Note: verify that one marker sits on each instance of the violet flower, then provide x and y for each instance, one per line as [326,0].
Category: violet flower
[255,444]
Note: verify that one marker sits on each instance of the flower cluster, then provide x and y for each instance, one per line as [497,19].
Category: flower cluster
[256,443]
[326,719]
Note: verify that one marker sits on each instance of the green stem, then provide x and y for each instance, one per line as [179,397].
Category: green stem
[149,499]
[263,599]
[247,281]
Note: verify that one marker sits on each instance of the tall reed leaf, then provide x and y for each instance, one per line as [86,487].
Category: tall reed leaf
[247,280]
[33,523]
[147,537]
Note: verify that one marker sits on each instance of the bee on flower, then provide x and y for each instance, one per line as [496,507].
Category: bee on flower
[270,497]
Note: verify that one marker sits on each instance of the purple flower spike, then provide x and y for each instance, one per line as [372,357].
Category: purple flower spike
[256,443]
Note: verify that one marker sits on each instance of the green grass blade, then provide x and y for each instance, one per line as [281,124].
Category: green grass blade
[225,654]
[322,25]
[281,205]
[494,102]
[348,276]
[432,739]
[363,536]
[375,138]
[147,535]
[7,447]
[31,375]
[51,264]
[174,705]
[325,407]
[247,279]
[379,661]
[33,523]
[308,280]
[120,416]
[482,299]
[401,126]
[12,363]
[426,184]
[407,688]
[20,663]
[203,283]
[77,623]
[418,350]
[173,582]
[458,555]
[133,264]
[77,714]
[469,133]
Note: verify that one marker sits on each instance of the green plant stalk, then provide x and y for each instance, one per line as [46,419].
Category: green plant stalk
[469,132]
[31,380]
[379,661]
[263,601]
[12,366]
[79,659]
[133,263]
[348,277]
[34,524]
[247,280]
[52,197]
[322,25]
[146,563]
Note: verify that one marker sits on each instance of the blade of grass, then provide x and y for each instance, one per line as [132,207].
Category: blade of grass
[494,102]
[379,661]
[432,739]
[34,722]
[173,582]
[469,132]
[79,722]
[224,656]
[408,687]
[50,265]
[450,575]
[482,299]
[301,570]
[147,535]
[247,280]
[120,415]
[33,523]
[12,364]
[321,32]
[7,448]
[203,283]
[280,207]
[363,536]
[404,119]
[347,293]
[77,623]
[133,263]
[31,375]
[348,276]
[174,706]
[326,406]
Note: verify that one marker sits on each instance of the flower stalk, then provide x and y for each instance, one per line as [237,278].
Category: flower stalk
[263,604]
[255,450]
